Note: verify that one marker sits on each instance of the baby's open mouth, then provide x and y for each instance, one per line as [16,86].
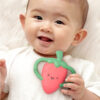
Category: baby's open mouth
[46,39]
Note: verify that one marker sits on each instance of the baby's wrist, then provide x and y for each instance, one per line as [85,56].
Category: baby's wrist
[82,96]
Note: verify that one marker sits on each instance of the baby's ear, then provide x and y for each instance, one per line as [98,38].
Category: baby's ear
[22,20]
[79,37]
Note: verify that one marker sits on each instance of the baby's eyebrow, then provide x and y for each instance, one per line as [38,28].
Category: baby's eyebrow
[37,10]
[73,1]
[61,15]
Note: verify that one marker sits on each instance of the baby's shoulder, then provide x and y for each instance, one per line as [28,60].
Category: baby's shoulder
[14,53]
[18,51]
[72,59]
[79,63]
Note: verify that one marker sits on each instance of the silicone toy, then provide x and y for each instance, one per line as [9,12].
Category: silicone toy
[54,72]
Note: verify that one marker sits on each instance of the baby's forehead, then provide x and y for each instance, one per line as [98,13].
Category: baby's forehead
[71,1]
[77,2]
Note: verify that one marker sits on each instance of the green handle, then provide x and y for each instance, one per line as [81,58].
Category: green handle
[36,67]
[58,62]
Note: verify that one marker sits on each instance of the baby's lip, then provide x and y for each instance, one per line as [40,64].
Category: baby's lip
[45,38]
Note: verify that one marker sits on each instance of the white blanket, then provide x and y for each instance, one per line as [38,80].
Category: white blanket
[12,35]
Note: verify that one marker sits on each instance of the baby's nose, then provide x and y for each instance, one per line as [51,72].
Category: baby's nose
[46,27]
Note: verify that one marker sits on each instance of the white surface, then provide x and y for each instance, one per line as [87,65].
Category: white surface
[12,35]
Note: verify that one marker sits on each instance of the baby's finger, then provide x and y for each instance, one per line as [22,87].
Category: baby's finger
[71,86]
[67,92]
[74,75]
[75,80]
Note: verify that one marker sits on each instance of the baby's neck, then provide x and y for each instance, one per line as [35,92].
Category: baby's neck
[48,56]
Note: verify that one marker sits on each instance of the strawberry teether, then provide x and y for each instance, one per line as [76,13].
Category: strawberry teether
[54,72]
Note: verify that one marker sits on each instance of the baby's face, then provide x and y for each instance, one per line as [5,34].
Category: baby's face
[50,25]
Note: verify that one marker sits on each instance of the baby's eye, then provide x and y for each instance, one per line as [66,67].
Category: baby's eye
[59,22]
[38,17]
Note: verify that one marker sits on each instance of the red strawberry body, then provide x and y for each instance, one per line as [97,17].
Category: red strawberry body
[54,72]
[52,77]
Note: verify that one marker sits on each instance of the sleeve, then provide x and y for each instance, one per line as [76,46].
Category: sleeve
[92,80]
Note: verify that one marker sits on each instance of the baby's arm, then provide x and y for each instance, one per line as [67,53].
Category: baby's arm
[89,96]
[3,73]
[77,89]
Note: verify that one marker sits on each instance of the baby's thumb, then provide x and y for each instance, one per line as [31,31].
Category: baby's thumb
[3,70]
[2,63]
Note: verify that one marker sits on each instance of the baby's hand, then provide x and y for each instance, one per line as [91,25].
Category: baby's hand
[75,87]
[3,73]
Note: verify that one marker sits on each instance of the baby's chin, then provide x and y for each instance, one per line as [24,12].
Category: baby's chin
[45,54]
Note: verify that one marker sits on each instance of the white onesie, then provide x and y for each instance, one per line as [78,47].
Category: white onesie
[23,84]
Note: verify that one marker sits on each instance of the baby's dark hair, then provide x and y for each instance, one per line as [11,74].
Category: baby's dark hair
[84,10]
[27,5]
[83,5]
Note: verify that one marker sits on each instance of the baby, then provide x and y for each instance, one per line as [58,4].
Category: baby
[49,25]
